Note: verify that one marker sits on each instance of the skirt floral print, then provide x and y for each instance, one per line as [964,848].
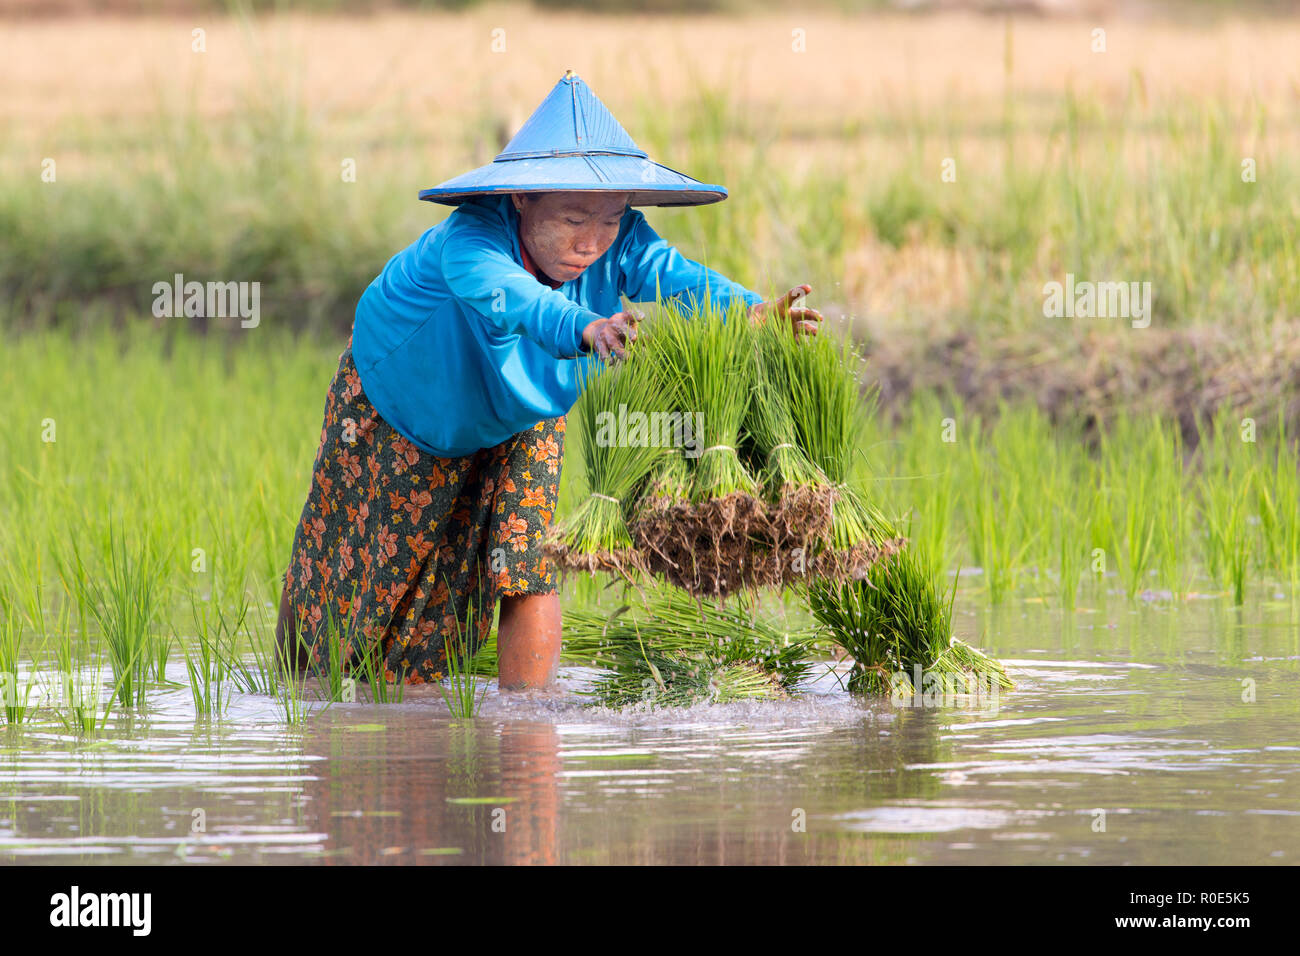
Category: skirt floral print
[399,550]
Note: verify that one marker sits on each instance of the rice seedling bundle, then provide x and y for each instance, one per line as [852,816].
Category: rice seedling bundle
[820,380]
[712,540]
[617,460]
[695,515]
[673,651]
[799,493]
[668,485]
[894,623]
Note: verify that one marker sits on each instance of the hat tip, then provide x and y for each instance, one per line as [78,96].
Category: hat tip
[569,75]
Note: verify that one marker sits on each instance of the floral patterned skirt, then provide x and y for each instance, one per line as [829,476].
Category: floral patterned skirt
[399,550]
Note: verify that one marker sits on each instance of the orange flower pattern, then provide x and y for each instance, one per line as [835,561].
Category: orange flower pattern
[396,546]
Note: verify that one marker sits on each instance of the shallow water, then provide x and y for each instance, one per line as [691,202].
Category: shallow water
[1136,710]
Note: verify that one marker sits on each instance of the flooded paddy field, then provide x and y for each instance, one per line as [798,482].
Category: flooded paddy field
[1138,733]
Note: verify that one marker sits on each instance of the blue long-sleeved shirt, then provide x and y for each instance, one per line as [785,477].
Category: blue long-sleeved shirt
[459,347]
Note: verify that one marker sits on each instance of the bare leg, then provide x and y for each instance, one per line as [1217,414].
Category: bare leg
[528,641]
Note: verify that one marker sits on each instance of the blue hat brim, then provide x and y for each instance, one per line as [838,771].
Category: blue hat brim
[649,183]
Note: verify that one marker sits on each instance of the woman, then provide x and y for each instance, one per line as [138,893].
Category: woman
[439,462]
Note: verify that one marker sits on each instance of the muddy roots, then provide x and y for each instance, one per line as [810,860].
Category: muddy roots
[624,562]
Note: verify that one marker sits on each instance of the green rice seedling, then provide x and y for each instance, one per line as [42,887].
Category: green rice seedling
[668,485]
[822,381]
[291,690]
[124,599]
[1130,484]
[993,505]
[1174,558]
[210,665]
[369,666]
[1223,509]
[459,688]
[1228,470]
[1276,491]
[770,423]
[287,684]
[15,691]
[920,472]
[894,622]
[671,650]
[382,691]
[336,645]
[81,710]
[272,670]
[615,410]
[79,707]
[1100,540]
[258,673]
[709,356]
[1070,559]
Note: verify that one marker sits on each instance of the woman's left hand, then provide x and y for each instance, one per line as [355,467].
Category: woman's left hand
[803,321]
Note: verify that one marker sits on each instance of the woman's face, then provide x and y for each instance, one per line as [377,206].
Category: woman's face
[565,232]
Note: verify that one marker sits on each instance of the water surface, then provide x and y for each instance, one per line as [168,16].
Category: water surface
[1136,710]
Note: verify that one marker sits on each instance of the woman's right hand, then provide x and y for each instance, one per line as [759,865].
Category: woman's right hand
[609,337]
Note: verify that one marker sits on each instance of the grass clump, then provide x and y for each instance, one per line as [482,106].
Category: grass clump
[895,623]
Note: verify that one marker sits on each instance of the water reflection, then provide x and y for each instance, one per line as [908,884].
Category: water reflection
[1129,715]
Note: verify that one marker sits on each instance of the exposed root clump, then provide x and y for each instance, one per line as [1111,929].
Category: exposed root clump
[624,562]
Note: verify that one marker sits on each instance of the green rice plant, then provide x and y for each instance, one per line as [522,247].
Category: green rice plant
[79,707]
[15,692]
[1227,476]
[271,670]
[1100,539]
[1276,491]
[210,665]
[615,410]
[336,644]
[1019,439]
[280,674]
[669,650]
[770,423]
[893,622]
[708,355]
[459,688]
[1070,558]
[669,484]
[1129,474]
[822,382]
[994,500]
[918,472]
[252,660]
[124,597]
[81,711]
[1174,557]
[1065,491]
[370,669]
[1223,511]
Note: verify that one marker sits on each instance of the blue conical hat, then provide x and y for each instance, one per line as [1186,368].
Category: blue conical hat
[572,142]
